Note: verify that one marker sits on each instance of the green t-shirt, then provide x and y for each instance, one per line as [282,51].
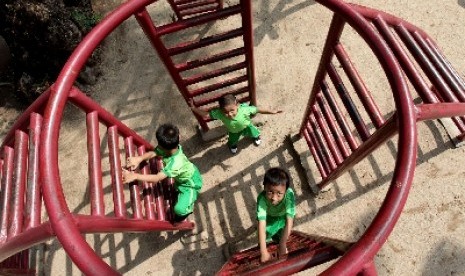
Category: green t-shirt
[240,121]
[177,166]
[286,208]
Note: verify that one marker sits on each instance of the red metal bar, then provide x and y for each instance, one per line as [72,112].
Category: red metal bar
[439,110]
[199,10]
[195,4]
[26,239]
[216,86]
[334,33]
[439,65]
[425,64]
[315,155]
[89,224]
[339,118]
[168,192]
[203,42]
[322,154]
[150,31]
[198,20]
[133,187]
[214,98]
[359,86]
[34,199]
[247,25]
[88,105]
[209,60]
[214,73]
[158,191]
[147,192]
[321,124]
[447,64]
[19,183]
[97,204]
[174,8]
[115,171]
[7,188]
[329,118]
[348,103]
[319,142]
[410,70]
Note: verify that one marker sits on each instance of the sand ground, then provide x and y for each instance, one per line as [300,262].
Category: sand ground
[289,35]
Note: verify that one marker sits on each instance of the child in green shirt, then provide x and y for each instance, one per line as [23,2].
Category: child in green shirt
[236,117]
[275,211]
[187,178]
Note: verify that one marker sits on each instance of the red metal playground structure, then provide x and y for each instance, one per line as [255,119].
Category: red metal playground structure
[405,53]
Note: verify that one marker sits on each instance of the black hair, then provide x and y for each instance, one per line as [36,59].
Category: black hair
[227,99]
[168,136]
[276,176]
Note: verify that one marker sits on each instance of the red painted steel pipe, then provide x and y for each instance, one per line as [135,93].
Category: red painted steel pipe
[147,188]
[247,24]
[97,204]
[314,154]
[19,183]
[374,237]
[329,118]
[359,86]
[330,141]
[319,141]
[133,187]
[62,221]
[116,172]
[34,198]
[334,33]
[7,189]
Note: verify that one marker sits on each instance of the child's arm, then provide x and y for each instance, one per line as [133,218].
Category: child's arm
[202,113]
[129,177]
[285,236]
[264,254]
[133,162]
[268,111]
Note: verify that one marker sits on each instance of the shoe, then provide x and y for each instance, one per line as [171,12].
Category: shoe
[257,141]
[233,149]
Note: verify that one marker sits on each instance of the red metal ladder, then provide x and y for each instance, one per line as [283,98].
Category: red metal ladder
[190,8]
[338,136]
[22,193]
[225,68]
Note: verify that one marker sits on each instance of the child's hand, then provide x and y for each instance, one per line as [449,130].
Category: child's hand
[265,256]
[128,176]
[133,162]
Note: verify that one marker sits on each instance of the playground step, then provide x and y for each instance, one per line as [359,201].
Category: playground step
[305,251]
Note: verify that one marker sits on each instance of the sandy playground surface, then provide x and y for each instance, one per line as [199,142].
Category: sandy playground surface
[289,35]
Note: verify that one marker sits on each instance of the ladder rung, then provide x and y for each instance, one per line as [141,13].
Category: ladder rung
[198,10]
[7,187]
[215,73]
[147,190]
[34,200]
[157,191]
[19,182]
[133,187]
[97,204]
[192,45]
[115,171]
[195,4]
[211,59]
[205,101]
[217,86]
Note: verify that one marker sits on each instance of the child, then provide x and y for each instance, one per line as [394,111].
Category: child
[275,211]
[236,117]
[188,180]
